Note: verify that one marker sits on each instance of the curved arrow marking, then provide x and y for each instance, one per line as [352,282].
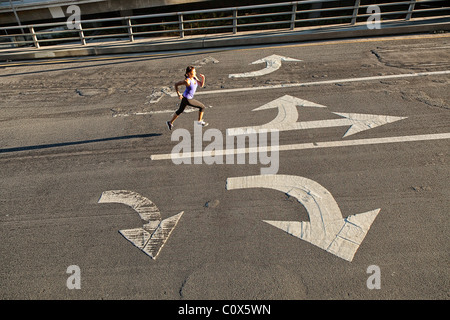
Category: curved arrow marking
[273,63]
[287,119]
[326,229]
[287,109]
[154,233]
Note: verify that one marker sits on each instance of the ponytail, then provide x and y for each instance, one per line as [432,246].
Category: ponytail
[188,70]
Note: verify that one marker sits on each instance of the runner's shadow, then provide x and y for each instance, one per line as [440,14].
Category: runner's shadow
[64,144]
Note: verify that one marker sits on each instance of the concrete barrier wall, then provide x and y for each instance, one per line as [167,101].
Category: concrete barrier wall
[230,39]
[251,38]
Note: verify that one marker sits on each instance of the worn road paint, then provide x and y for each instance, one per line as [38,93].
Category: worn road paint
[145,113]
[204,61]
[326,229]
[273,63]
[154,233]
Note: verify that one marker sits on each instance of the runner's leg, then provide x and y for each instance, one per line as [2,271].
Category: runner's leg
[197,104]
[183,104]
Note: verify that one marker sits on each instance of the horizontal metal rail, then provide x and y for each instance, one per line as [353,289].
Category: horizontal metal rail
[293,15]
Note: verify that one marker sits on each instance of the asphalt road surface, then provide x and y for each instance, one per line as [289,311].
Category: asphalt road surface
[72,130]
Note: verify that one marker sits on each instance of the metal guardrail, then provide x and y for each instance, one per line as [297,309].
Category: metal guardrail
[294,15]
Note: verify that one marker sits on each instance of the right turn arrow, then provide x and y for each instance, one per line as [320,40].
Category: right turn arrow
[326,229]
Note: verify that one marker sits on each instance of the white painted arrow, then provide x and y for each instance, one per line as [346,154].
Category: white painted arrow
[157,94]
[326,229]
[273,63]
[202,62]
[154,233]
[288,115]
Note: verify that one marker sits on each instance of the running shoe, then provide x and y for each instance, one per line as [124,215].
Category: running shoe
[169,125]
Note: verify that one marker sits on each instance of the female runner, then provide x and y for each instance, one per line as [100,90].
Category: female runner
[187,98]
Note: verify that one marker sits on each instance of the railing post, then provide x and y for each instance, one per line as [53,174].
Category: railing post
[355,11]
[235,14]
[293,15]
[34,36]
[80,31]
[180,24]
[410,10]
[130,29]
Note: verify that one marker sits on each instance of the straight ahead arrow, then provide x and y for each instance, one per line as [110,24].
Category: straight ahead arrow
[288,115]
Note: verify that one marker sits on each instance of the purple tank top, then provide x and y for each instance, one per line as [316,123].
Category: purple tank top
[190,90]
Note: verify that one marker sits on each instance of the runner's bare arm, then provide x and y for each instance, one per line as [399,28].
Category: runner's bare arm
[202,81]
[180,83]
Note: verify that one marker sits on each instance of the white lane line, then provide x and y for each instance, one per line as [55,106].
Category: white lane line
[305,146]
[144,113]
[304,84]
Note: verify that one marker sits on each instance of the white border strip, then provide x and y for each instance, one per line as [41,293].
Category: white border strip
[291,85]
[305,146]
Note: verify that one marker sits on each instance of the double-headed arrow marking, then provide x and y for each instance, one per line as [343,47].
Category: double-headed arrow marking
[155,232]
[273,63]
[288,115]
[327,228]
